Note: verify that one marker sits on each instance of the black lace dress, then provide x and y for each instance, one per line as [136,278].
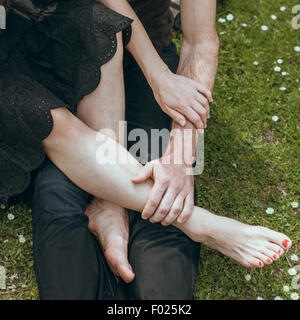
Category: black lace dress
[50,57]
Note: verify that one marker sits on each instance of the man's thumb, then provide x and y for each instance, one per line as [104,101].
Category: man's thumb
[143,174]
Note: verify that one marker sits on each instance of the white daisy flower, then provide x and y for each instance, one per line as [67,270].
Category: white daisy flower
[13,276]
[294,257]
[256,63]
[280,61]
[283,73]
[275,119]
[294,296]
[244,25]
[271,210]
[273,17]
[297,48]
[22,239]
[230,17]
[295,203]
[292,271]
[13,287]
[277,69]
[264,28]
[278,298]
[10,216]
[223,32]
[248,277]
[283,8]
[282,88]
[286,288]
[259,298]
[221,20]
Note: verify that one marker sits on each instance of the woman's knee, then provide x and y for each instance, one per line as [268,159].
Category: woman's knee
[120,50]
[63,121]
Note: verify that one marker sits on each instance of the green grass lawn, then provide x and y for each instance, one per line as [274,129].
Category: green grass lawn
[251,162]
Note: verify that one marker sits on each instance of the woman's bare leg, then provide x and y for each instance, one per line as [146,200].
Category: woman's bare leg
[103,109]
[81,154]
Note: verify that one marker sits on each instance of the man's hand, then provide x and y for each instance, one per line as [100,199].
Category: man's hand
[172,195]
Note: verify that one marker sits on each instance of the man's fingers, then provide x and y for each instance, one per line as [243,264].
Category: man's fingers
[187,209]
[164,206]
[175,211]
[154,199]
[143,174]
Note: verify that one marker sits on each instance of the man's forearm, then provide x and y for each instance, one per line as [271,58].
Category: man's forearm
[200,62]
[200,45]
[198,56]
[198,20]
[203,70]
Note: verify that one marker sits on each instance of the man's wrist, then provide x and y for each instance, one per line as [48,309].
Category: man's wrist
[182,147]
[177,158]
[210,44]
[199,61]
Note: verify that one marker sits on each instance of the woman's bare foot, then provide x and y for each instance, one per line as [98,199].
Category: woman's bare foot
[251,246]
[110,224]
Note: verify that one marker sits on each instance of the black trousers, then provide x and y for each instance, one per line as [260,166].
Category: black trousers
[69,263]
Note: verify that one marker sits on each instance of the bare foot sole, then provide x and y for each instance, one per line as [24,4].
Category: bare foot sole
[110,224]
[251,246]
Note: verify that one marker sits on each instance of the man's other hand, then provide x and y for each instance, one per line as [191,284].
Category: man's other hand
[172,195]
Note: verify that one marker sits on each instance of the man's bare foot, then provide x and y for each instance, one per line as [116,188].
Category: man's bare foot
[251,246]
[110,224]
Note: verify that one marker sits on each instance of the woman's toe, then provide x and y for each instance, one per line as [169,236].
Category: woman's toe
[264,258]
[270,254]
[280,239]
[256,263]
[285,244]
[275,248]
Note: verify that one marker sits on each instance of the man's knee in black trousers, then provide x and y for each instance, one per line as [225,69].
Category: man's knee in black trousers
[68,261]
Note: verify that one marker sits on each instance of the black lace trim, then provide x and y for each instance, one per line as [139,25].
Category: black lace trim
[82,39]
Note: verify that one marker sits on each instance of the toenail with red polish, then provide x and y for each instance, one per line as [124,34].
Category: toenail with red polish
[275,257]
[269,260]
[259,263]
[285,243]
[279,251]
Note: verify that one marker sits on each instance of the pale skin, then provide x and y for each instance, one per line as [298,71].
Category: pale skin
[169,198]
[72,146]
[198,61]
[172,196]
[252,246]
